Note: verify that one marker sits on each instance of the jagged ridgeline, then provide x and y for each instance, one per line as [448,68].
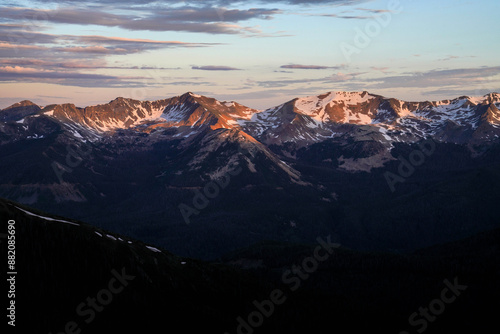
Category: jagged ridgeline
[201,177]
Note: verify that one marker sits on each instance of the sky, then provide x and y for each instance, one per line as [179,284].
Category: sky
[258,53]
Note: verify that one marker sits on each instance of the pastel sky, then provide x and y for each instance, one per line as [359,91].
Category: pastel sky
[259,53]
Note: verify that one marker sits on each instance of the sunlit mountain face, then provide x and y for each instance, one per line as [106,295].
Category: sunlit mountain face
[220,166]
[187,172]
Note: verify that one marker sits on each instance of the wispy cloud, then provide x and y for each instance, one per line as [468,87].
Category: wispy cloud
[208,2]
[215,68]
[381,69]
[96,50]
[16,72]
[91,64]
[356,14]
[189,83]
[20,39]
[18,46]
[310,67]
[186,19]
[75,79]
[436,78]
[304,67]
[451,57]
[435,81]
[211,14]
[27,54]
[375,11]
[136,41]
[24,47]
[450,92]
[334,78]
[347,17]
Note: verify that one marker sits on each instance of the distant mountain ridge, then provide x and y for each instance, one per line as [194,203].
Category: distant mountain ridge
[313,164]
[302,121]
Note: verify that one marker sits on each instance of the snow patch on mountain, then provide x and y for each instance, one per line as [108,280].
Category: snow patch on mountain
[45,218]
[176,113]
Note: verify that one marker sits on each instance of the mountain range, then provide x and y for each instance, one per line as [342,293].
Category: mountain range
[201,177]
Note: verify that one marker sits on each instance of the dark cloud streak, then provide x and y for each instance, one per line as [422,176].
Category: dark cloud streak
[206,2]
[186,19]
[310,67]
[436,78]
[215,68]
